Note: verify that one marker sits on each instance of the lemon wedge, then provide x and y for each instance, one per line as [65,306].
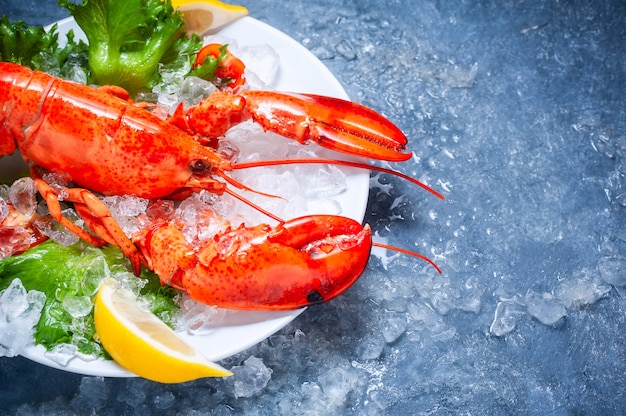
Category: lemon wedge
[140,342]
[201,16]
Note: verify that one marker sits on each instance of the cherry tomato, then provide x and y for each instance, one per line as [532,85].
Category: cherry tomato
[230,67]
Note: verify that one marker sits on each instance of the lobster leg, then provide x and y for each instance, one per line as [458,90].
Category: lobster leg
[98,217]
[333,123]
[302,262]
[95,214]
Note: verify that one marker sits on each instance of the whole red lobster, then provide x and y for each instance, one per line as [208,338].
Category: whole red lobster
[105,144]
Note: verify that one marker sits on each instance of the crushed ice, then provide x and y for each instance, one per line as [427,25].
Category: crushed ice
[19,312]
[22,196]
[249,379]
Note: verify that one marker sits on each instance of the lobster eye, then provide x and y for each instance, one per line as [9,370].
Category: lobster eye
[200,167]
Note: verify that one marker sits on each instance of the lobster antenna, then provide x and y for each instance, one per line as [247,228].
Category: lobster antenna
[241,185]
[281,221]
[276,162]
[254,206]
[410,253]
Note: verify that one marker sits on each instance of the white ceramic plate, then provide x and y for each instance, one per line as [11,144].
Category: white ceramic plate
[299,71]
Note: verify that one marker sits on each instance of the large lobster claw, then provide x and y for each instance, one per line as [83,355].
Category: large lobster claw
[302,262]
[333,123]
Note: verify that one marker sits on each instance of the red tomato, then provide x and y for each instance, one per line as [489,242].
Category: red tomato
[231,67]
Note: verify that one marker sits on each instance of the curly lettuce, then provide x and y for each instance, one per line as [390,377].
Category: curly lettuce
[36,48]
[129,39]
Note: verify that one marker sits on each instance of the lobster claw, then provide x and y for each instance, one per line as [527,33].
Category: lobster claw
[336,249]
[302,262]
[333,123]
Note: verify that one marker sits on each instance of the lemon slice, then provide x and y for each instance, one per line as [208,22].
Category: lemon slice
[201,16]
[140,342]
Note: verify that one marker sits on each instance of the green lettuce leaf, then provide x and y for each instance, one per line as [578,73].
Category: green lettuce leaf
[69,276]
[36,48]
[129,39]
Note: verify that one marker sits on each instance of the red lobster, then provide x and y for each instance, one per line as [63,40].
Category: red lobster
[105,144]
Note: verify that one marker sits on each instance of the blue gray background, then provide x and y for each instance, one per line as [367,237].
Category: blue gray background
[515,111]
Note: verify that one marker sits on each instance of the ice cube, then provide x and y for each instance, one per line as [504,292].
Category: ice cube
[172,76]
[135,391]
[161,208]
[36,300]
[93,395]
[544,307]
[62,354]
[321,181]
[126,205]
[262,60]
[311,389]
[19,312]
[77,306]
[582,290]
[169,101]
[15,239]
[125,209]
[197,318]
[613,270]
[93,274]
[128,281]
[322,53]
[200,221]
[88,349]
[346,50]
[425,315]
[13,301]
[194,89]
[22,195]
[76,73]
[393,326]
[56,232]
[336,384]
[445,334]
[370,347]
[616,187]
[164,400]
[506,317]
[248,379]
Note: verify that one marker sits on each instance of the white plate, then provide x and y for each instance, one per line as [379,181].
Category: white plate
[299,71]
